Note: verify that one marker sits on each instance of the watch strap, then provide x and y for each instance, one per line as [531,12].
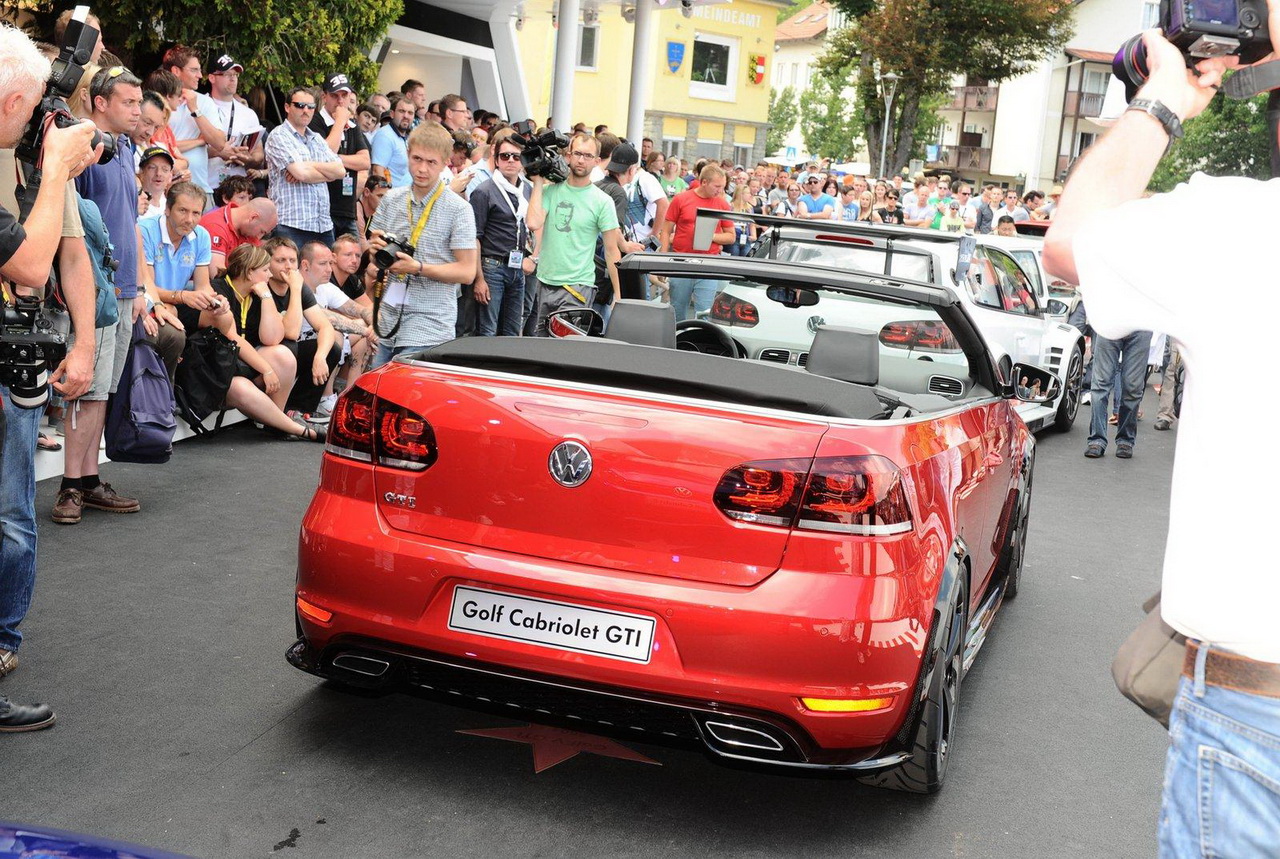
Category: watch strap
[1162,114]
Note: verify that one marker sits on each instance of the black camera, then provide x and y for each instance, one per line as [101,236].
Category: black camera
[540,153]
[386,257]
[68,69]
[1200,29]
[28,348]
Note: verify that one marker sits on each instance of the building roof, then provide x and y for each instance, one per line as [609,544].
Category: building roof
[811,22]
[1090,56]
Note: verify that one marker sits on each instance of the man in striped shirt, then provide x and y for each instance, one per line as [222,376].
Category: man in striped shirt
[301,165]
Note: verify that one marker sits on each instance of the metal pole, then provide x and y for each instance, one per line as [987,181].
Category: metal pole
[890,83]
[641,70]
[565,63]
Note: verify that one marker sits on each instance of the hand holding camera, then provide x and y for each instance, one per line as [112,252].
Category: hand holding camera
[71,148]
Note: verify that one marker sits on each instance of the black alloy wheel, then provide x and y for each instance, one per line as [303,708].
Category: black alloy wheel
[1069,405]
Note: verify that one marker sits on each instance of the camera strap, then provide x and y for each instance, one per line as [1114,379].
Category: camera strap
[1252,80]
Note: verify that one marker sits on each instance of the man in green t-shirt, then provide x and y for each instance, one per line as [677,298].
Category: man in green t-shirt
[571,215]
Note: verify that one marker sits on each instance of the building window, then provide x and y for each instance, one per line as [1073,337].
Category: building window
[1096,81]
[588,40]
[672,147]
[714,72]
[1150,15]
[742,154]
[709,149]
[795,73]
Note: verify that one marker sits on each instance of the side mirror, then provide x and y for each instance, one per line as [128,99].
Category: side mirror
[1056,307]
[1034,385]
[789,296]
[575,322]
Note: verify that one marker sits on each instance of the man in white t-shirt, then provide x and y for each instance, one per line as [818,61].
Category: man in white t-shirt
[1155,264]
[236,120]
[194,122]
[647,189]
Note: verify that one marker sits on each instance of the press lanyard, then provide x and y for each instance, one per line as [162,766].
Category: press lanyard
[515,212]
[426,213]
[245,303]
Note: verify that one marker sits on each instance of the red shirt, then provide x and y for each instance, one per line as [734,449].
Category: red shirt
[224,237]
[683,212]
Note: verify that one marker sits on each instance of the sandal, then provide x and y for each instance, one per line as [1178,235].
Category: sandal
[46,443]
[309,433]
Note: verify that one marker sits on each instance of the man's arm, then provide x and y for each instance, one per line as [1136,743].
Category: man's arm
[75,272]
[537,215]
[209,133]
[325,338]
[1118,167]
[612,243]
[314,172]
[461,270]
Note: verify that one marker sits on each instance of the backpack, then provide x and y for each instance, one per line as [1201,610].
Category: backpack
[98,241]
[140,422]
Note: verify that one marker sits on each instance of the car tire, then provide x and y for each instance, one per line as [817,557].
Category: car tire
[1009,566]
[926,769]
[1069,404]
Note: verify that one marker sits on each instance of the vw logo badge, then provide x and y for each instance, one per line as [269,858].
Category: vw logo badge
[570,464]
[814,322]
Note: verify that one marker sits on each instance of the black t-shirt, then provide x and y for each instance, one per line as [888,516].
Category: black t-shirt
[12,235]
[352,288]
[282,301]
[342,207]
[894,217]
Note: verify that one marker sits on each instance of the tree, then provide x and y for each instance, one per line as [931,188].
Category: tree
[926,42]
[1231,138]
[830,129]
[783,114]
[280,42]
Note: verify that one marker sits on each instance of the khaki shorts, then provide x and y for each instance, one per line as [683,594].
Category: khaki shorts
[110,348]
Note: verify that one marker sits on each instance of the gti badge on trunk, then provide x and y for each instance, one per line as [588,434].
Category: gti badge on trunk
[570,464]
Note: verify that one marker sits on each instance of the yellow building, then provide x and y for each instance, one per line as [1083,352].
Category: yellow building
[711,72]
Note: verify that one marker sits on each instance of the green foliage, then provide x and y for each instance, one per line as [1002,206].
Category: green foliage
[830,129]
[787,11]
[1230,138]
[280,42]
[783,114]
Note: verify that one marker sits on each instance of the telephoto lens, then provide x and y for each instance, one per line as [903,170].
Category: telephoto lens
[1130,66]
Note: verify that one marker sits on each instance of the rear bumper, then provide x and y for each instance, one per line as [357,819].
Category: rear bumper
[739,657]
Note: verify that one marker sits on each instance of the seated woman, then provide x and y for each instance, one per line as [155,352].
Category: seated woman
[307,331]
[246,314]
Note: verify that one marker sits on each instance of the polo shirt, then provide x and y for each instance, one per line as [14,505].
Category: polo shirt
[173,264]
[390,150]
[342,192]
[223,237]
[114,188]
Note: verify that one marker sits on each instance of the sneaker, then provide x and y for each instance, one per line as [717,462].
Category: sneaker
[103,497]
[1095,449]
[68,506]
[1162,424]
[326,405]
[8,662]
[1124,451]
[1086,398]
[15,717]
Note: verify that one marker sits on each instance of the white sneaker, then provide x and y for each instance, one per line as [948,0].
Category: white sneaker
[327,404]
[1086,398]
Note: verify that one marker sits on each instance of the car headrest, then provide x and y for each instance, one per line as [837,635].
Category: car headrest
[848,354]
[643,323]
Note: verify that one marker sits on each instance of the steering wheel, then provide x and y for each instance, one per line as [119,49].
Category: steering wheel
[698,335]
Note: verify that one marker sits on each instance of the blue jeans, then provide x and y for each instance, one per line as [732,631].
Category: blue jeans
[386,352]
[17,517]
[301,237]
[504,312]
[1129,353]
[1222,773]
[701,290]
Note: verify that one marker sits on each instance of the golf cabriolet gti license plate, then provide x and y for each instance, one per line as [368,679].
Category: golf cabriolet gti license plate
[560,626]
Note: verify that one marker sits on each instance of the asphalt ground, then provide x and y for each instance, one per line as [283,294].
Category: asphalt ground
[160,638]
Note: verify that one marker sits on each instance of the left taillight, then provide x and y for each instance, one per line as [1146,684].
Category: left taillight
[371,430]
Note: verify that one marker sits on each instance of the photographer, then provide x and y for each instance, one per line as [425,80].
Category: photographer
[26,257]
[1152,264]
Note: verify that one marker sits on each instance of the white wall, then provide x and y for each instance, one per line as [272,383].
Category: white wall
[441,74]
[787,56]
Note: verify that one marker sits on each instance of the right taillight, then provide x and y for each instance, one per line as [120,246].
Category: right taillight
[733,311]
[923,335]
[857,495]
[371,430]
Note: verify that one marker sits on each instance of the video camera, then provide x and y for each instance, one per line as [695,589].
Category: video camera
[1200,29]
[28,348]
[540,153]
[68,69]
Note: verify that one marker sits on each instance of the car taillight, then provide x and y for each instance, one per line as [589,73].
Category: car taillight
[405,439]
[730,310]
[858,495]
[923,335]
[371,430]
[351,425]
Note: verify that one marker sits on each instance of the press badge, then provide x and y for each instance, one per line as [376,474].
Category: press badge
[348,185]
[515,259]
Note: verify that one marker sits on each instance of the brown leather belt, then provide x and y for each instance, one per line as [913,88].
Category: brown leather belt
[1235,672]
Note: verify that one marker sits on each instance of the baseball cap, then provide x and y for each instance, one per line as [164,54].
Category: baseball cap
[224,64]
[624,155]
[154,152]
[337,83]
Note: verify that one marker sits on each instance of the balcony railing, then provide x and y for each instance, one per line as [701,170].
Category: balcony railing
[964,158]
[1086,104]
[975,98]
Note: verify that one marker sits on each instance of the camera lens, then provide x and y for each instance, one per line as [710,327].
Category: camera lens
[1130,66]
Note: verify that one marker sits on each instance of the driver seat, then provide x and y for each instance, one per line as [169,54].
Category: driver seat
[847,354]
[642,323]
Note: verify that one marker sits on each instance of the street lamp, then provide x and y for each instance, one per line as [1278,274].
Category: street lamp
[889,83]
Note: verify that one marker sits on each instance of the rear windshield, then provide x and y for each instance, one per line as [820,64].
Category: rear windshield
[850,257]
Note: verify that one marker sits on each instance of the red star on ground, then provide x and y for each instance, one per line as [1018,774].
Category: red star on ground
[556,745]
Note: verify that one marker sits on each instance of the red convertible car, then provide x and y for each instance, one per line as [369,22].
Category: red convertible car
[645,536]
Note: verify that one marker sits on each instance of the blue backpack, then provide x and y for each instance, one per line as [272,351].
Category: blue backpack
[140,419]
[98,241]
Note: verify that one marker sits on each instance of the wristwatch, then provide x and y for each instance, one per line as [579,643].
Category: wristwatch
[1162,114]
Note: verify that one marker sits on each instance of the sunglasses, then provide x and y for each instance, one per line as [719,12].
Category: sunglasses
[508,156]
[303,105]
